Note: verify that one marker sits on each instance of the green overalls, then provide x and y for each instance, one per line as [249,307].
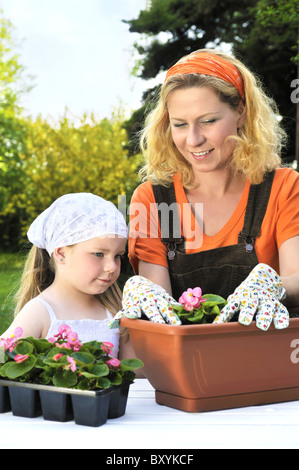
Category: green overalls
[221,270]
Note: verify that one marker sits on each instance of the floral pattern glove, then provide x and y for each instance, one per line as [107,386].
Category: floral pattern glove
[143,296]
[260,293]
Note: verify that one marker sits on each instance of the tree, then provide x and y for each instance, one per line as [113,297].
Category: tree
[13,127]
[66,157]
[269,50]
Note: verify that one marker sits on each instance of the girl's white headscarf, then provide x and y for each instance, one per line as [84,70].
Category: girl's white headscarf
[75,218]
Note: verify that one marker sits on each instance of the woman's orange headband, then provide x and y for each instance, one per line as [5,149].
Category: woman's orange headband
[209,64]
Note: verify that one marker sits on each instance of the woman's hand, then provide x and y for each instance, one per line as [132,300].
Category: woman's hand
[260,293]
[141,296]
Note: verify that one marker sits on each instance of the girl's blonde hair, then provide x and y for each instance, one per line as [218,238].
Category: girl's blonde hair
[258,143]
[39,273]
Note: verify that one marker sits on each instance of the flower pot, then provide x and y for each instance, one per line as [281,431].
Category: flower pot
[209,367]
[88,408]
[4,400]
[56,406]
[25,401]
[118,401]
[91,409]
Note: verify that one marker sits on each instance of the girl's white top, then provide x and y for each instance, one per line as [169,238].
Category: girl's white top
[87,329]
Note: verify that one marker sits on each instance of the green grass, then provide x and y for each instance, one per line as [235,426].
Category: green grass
[11,266]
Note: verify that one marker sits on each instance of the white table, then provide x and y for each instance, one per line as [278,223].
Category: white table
[147,425]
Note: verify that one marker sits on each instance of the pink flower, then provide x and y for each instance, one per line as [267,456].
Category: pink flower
[9,343]
[57,356]
[191,298]
[72,365]
[64,329]
[113,363]
[73,341]
[20,358]
[18,332]
[107,347]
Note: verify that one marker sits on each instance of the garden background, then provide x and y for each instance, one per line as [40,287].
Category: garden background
[41,159]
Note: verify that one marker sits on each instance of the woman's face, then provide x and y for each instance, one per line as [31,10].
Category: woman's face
[200,125]
[94,265]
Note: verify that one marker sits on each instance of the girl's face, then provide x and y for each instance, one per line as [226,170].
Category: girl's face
[200,125]
[94,265]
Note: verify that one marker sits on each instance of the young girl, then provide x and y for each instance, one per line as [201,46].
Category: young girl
[71,271]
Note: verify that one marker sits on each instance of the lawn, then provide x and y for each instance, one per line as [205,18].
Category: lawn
[11,266]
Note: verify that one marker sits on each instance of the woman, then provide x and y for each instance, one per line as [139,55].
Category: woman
[213,143]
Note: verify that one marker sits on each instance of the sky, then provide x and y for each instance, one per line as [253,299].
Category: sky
[79,53]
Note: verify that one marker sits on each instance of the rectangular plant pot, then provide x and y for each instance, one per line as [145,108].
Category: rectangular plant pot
[4,400]
[210,367]
[92,409]
[25,402]
[118,401]
[88,408]
[56,406]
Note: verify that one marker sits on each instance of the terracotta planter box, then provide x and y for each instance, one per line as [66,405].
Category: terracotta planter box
[211,367]
[88,408]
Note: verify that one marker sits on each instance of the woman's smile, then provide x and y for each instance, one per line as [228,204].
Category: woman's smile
[202,155]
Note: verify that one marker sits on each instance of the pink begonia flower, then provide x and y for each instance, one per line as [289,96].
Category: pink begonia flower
[191,298]
[72,365]
[64,329]
[9,343]
[57,356]
[20,358]
[73,341]
[107,347]
[113,363]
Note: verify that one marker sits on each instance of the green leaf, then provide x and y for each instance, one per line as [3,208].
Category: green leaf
[55,350]
[115,378]
[64,378]
[3,369]
[99,370]
[41,345]
[46,377]
[84,385]
[16,370]
[24,347]
[130,364]
[56,364]
[103,382]
[129,375]
[83,358]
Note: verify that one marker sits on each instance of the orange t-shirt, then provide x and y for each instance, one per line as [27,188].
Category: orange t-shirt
[280,223]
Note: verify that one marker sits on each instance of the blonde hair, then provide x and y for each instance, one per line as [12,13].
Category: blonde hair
[258,143]
[39,273]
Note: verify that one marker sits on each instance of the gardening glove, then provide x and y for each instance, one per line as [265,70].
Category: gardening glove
[143,296]
[260,293]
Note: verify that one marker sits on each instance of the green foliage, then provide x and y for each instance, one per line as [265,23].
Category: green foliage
[86,367]
[206,313]
[41,160]
[91,156]
[262,33]
[11,266]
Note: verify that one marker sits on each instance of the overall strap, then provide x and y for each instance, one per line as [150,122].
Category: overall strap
[256,208]
[166,195]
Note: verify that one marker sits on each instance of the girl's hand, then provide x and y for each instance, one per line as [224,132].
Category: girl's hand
[141,296]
